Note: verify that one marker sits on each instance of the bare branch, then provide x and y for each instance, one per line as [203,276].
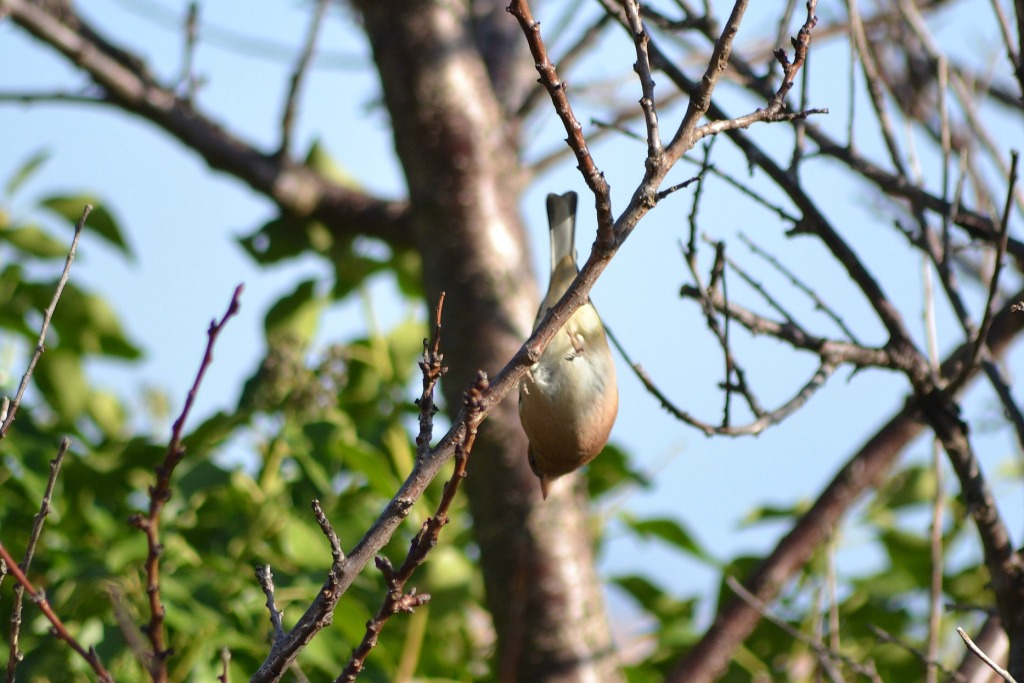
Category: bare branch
[225,662]
[12,409]
[866,468]
[160,493]
[594,178]
[16,655]
[265,577]
[337,556]
[642,66]
[296,189]
[1003,673]
[59,630]
[795,280]
[766,419]
[397,600]
[1004,233]
[298,76]
[432,368]
[700,97]
[187,78]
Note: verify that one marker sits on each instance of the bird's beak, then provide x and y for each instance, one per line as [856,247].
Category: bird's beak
[545,485]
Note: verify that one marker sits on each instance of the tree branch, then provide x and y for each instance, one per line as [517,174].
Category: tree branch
[160,493]
[865,469]
[296,189]
[9,410]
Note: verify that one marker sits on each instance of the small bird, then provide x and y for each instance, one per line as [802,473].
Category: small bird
[568,399]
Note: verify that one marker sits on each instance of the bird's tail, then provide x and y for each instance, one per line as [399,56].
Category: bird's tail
[562,222]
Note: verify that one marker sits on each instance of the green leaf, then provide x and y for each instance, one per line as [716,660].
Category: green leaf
[205,476]
[611,471]
[321,161]
[303,545]
[670,531]
[107,412]
[101,221]
[351,269]
[276,240]
[660,604]
[912,486]
[34,241]
[295,316]
[26,171]
[910,560]
[374,466]
[408,267]
[84,322]
[61,379]
[773,513]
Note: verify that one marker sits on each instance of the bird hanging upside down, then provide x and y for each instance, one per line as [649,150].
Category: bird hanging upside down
[569,399]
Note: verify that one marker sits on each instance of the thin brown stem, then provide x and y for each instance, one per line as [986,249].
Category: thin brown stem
[10,410]
[594,178]
[59,630]
[1003,673]
[397,599]
[432,368]
[160,493]
[298,76]
[997,267]
[16,655]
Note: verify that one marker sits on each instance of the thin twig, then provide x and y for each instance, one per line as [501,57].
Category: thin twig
[130,630]
[225,661]
[939,499]
[337,556]
[37,529]
[431,365]
[160,493]
[594,178]
[298,76]
[997,267]
[767,418]
[84,96]
[745,189]
[12,409]
[642,67]
[59,630]
[984,657]
[265,578]
[795,280]
[933,664]
[188,79]
[397,600]
[874,84]
[825,655]
[577,50]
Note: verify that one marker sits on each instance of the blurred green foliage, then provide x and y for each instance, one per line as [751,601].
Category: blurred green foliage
[330,424]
